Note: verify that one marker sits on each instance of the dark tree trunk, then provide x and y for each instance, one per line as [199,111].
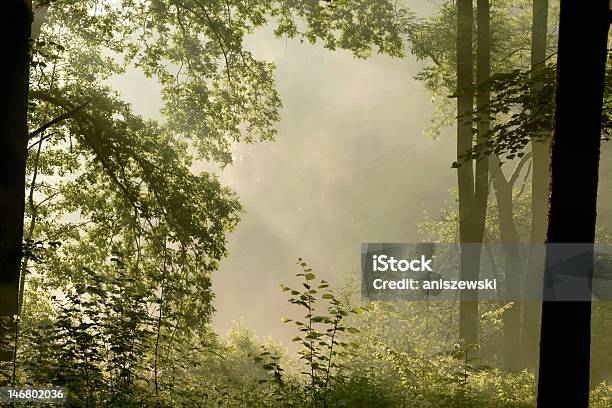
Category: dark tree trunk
[16,19]
[539,198]
[468,307]
[565,332]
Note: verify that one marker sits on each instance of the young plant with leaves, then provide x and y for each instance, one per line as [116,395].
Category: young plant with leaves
[321,334]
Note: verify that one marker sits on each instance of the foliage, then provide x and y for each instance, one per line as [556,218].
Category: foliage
[601,396]
[124,229]
[94,345]
[524,100]
[443,227]
[432,39]
[320,334]
[96,342]
[114,191]
[105,174]
[521,106]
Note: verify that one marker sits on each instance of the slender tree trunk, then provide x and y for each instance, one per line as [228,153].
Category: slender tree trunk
[468,306]
[539,199]
[481,178]
[565,332]
[509,239]
[473,188]
[16,19]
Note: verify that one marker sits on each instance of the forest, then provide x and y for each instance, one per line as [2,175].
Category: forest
[185,186]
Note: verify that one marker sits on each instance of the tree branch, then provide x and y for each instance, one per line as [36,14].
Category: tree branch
[518,168]
[57,120]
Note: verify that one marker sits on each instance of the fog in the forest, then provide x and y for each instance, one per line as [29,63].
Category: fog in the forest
[153,261]
[351,164]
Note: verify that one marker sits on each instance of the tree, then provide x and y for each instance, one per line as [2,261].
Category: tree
[16,20]
[572,213]
[107,186]
[472,187]
[430,39]
[539,185]
[509,238]
[468,310]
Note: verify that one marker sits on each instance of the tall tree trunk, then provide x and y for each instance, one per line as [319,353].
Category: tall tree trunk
[16,19]
[473,188]
[509,239]
[468,306]
[483,72]
[565,332]
[539,198]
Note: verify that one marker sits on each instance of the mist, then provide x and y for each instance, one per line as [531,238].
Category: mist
[161,247]
[350,164]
